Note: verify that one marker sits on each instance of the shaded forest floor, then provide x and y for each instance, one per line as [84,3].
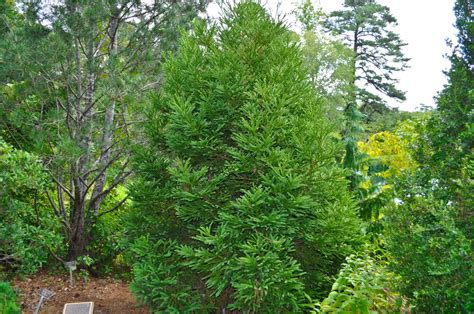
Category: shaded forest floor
[109,295]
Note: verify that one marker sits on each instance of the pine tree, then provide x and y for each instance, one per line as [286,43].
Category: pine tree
[72,72]
[239,203]
[365,27]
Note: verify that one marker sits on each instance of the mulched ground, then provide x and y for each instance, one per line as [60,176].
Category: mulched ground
[110,296]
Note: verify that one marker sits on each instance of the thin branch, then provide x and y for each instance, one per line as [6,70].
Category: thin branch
[55,209]
[118,179]
[89,107]
[115,207]
[8,258]
[60,185]
[57,213]
[104,168]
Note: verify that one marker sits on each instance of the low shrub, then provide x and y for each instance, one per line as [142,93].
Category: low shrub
[27,225]
[362,286]
[8,303]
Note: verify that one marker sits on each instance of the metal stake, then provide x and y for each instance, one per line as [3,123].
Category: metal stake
[45,294]
[39,305]
[71,265]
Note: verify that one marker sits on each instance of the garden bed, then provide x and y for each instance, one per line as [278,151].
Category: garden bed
[109,295]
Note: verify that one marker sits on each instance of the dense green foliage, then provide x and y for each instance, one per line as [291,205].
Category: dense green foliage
[27,228]
[8,303]
[451,129]
[245,206]
[361,287]
[234,165]
[432,255]
[430,234]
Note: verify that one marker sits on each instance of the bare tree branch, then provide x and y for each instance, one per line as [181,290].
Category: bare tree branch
[115,207]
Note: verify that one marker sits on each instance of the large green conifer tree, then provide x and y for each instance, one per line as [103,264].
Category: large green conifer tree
[239,203]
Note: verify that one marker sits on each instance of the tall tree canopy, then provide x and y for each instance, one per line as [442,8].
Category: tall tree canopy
[239,193]
[452,125]
[80,66]
[432,228]
[366,27]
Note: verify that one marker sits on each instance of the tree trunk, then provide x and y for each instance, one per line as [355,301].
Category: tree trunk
[77,243]
[77,237]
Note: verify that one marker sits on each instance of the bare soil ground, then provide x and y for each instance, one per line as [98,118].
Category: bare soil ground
[110,296]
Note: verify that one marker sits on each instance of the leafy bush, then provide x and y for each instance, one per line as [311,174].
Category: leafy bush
[385,156]
[8,303]
[432,256]
[106,246]
[238,194]
[27,227]
[362,286]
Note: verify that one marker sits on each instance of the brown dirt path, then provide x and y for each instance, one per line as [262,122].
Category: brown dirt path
[110,296]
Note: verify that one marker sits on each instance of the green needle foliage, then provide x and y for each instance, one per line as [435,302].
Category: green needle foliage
[366,27]
[238,202]
[8,303]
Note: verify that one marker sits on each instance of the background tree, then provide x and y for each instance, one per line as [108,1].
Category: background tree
[451,129]
[82,66]
[238,193]
[365,26]
[328,59]
[430,232]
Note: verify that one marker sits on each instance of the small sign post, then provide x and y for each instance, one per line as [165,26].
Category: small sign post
[45,294]
[79,308]
[71,265]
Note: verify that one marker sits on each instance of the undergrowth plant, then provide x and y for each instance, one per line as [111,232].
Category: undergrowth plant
[8,302]
[27,227]
[363,285]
